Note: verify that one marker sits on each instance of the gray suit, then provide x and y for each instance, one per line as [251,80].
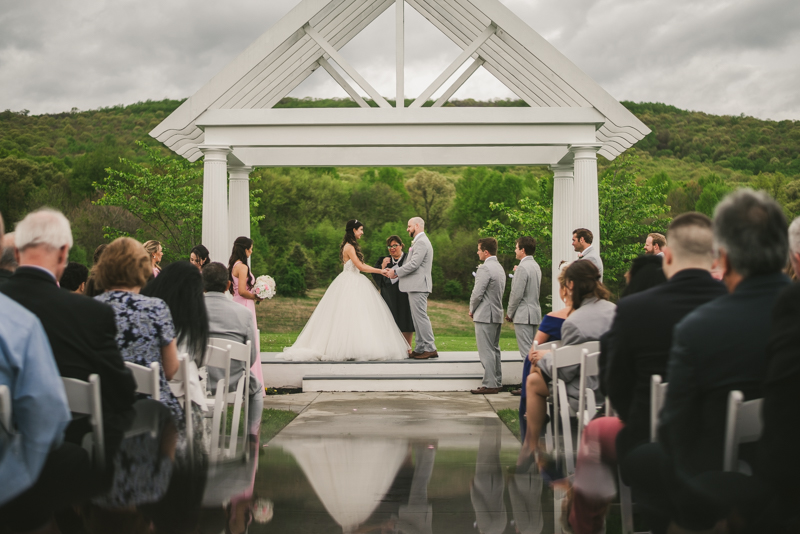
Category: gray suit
[591,254]
[587,323]
[415,279]
[486,307]
[230,320]
[523,303]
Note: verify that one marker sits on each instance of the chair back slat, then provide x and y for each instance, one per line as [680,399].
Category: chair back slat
[84,398]
[147,379]
[658,394]
[5,409]
[743,425]
[185,377]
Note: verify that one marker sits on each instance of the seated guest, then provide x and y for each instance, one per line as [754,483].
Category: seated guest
[8,261]
[229,320]
[81,331]
[180,285]
[91,286]
[646,271]
[640,340]
[199,257]
[154,249]
[390,290]
[145,331]
[717,348]
[75,277]
[591,318]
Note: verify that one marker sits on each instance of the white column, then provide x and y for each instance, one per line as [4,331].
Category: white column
[563,223]
[238,203]
[587,207]
[400,61]
[215,201]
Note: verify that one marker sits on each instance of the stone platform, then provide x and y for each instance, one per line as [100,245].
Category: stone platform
[452,371]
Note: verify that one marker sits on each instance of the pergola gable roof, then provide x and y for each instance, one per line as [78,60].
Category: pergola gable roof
[487,31]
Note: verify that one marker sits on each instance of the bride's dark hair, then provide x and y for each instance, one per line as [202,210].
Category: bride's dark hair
[350,237]
[240,246]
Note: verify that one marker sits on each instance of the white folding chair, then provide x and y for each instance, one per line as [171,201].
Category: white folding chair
[548,434]
[658,393]
[84,398]
[219,357]
[183,373]
[238,352]
[743,425]
[5,409]
[147,379]
[565,357]
[587,404]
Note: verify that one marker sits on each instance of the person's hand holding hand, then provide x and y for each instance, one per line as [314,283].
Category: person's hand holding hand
[391,273]
[508,319]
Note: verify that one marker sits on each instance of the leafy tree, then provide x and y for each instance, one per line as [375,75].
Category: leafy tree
[714,190]
[477,189]
[165,195]
[431,195]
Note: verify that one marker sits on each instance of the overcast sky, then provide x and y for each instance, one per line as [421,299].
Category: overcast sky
[717,56]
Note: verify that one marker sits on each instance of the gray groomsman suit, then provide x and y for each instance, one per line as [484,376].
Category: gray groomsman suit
[486,307]
[523,303]
[415,279]
[591,254]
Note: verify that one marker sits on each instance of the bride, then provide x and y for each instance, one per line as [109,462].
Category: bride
[352,321]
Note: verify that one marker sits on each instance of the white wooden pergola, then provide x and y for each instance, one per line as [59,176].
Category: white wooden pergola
[231,124]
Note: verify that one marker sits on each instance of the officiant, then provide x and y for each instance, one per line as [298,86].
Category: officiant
[390,291]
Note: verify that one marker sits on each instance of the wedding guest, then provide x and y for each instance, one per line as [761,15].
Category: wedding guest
[646,271]
[654,244]
[582,243]
[228,320]
[709,357]
[199,256]
[486,311]
[145,331]
[524,310]
[154,249]
[549,331]
[794,247]
[390,290]
[81,331]
[92,290]
[640,340]
[591,318]
[8,260]
[75,277]
[180,286]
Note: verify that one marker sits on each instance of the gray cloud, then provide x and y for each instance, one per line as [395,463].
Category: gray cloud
[718,56]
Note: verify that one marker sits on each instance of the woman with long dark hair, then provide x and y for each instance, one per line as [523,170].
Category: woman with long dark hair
[198,256]
[180,285]
[352,321]
[242,282]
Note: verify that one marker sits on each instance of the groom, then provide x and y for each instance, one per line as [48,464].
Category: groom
[415,279]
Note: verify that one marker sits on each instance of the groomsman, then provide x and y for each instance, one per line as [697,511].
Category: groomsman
[486,310]
[523,303]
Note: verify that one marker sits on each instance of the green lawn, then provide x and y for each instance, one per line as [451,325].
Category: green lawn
[275,342]
[511,419]
[272,422]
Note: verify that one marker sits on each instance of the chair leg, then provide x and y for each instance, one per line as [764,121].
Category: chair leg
[566,429]
[237,410]
[548,431]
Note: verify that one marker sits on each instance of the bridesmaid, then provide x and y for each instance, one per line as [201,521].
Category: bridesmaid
[153,248]
[242,282]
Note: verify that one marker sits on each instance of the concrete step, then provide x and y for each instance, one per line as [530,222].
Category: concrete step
[278,372]
[460,382]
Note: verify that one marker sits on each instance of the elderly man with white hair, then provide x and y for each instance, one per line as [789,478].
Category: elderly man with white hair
[82,332]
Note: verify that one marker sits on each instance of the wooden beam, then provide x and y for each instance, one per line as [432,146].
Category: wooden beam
[458,83]
[337,57]
[341,81]
[400,54]
[454,66]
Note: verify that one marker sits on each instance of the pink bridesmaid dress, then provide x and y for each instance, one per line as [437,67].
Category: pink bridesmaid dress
[250,305]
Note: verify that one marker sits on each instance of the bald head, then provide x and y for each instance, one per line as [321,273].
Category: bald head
[415,226]
[690,244]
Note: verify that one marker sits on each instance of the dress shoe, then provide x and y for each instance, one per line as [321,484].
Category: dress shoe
[485,391]
[433,354]
[420,355]
[413,355]
[516,392]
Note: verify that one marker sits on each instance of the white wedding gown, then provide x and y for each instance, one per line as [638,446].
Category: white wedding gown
[351,322]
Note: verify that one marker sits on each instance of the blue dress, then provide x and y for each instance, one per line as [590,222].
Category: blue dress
[552,326]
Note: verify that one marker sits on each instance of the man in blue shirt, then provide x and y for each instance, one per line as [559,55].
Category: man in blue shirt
[32,448]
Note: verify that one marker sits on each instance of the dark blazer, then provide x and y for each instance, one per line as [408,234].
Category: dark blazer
[639,343]
[5,276]
[778,462]
[396,300]
[719,347]
[82,333]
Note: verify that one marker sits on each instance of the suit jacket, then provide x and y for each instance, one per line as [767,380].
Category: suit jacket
[415,273]
[82,333]
[778,464]
[486,302]
[523,302]
[5,276]
[230,320]
[639,343]
[717,348]
[593,255]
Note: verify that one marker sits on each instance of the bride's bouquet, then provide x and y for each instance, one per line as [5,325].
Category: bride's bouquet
[265,287]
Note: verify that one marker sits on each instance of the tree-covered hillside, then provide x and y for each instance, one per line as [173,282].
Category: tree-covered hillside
[693,158]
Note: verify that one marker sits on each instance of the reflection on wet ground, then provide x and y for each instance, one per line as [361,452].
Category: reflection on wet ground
[350,463]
